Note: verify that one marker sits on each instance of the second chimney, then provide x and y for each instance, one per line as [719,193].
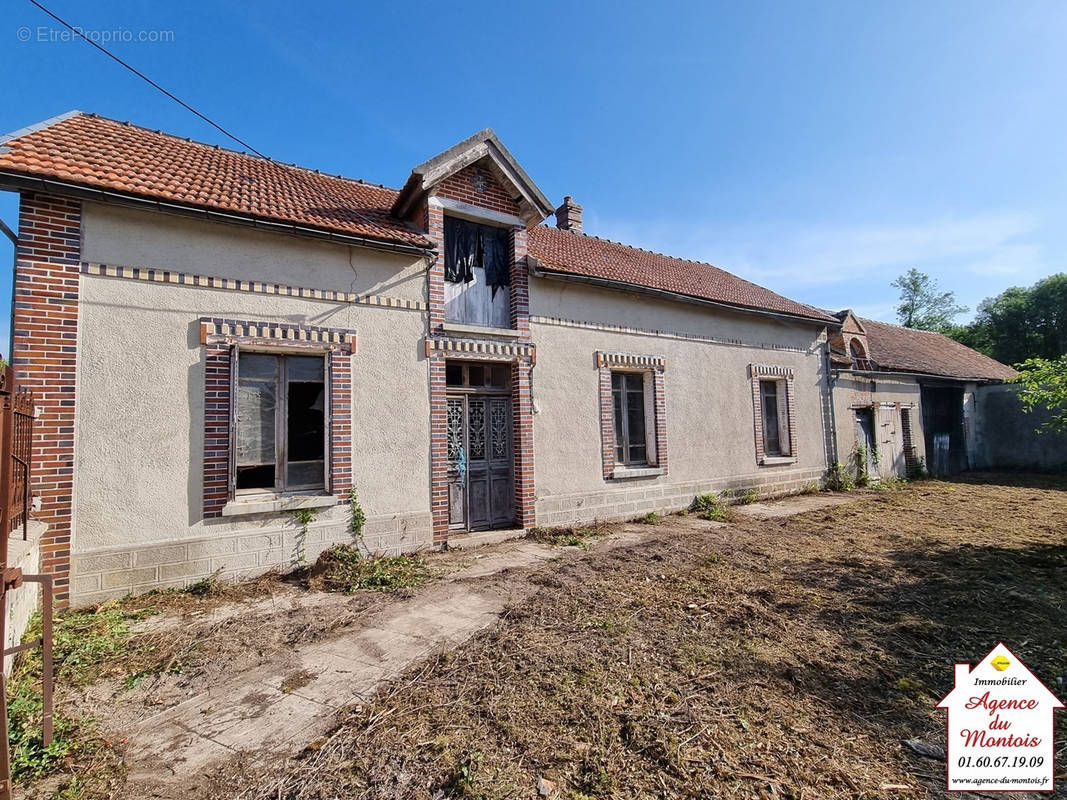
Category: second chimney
[569,216]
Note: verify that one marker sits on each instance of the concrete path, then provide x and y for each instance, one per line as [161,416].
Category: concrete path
[797,504]
[272,712]
[276,710]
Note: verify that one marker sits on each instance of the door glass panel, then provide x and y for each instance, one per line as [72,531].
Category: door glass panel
[455,430]
[476,432]
[498,429]
[454,374]
[476,375]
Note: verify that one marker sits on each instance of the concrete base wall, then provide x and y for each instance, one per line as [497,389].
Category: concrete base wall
[1005,437]
[262,543]
[624,503]
[22,602]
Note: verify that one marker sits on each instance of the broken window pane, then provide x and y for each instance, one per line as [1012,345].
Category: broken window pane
[306,429]
[281,414]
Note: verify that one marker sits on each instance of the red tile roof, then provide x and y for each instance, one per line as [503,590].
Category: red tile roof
[579,254]
[101,153]
[899,349]
[96,152]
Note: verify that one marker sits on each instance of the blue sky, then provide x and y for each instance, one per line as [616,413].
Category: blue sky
[818,148]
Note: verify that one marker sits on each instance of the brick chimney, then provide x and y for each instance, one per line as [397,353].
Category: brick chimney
[569,216]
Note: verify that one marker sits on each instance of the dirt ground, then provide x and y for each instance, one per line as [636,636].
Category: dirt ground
[771,657]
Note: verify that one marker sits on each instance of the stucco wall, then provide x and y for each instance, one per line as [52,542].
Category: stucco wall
[709,409]
[140,411]
[129,237]
[851,392]
[1007,437]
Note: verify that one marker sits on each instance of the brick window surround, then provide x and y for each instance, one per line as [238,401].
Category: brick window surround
[653,367]
[219,338]
[766,372]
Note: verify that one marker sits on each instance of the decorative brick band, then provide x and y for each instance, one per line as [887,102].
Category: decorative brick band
[213,329]
[219,337]
[45,336]
[605,358]
[769,371]
[560,322]
[654,367]
[465,348]
[758,372]
[257,287]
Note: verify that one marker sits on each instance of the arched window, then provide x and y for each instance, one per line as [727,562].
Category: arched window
[857,352]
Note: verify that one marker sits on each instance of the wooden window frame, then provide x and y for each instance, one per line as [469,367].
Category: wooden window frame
[648,413]
[281,423]
[654,395]
[222,340]
[784,379]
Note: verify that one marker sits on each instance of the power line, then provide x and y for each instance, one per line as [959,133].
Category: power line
[146,79]
[320,189]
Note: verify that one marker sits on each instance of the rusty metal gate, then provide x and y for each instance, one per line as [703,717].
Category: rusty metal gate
[16,464]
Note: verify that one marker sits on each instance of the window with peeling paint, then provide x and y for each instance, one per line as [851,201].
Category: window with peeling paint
[281,423]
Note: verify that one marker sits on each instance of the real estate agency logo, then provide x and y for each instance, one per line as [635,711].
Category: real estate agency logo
[1000,727]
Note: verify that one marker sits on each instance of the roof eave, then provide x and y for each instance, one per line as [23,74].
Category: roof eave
[539,270]
[931,375]
[16,181]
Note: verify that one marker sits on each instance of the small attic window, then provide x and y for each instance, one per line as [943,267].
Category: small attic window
[859,355]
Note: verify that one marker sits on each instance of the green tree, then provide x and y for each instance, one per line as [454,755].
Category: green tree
[922,303]
[1020,323]
[1044,383]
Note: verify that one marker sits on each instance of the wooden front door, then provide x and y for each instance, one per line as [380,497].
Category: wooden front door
[480,465]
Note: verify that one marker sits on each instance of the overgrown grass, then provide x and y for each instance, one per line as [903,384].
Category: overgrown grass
[651,518]
[345,569]
[892,484]
[711,506]
[839,479]
[569,537]
[86,645]
[748,497]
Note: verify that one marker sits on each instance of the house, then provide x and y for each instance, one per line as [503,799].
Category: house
[218,340]
[906,400]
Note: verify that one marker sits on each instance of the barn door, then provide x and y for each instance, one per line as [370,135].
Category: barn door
[480,474]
